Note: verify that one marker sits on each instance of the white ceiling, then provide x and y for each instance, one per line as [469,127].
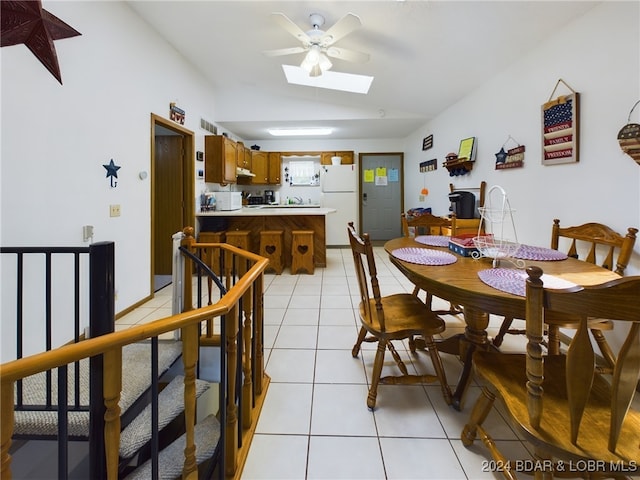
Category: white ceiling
[425,56]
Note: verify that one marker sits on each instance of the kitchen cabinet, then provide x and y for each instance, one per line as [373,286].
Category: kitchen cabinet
[347,157]
[220,159]
[260,167]
[275,167]
[244,156]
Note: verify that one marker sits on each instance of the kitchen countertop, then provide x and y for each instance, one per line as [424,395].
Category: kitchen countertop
[270,210]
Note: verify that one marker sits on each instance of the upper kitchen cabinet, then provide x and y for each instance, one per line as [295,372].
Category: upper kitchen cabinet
[244,156]
[220,159]
[260,167]
[347,157]
[275,167]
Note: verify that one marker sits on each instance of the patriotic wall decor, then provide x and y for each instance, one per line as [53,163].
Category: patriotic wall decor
[512,158]
[560,127]
[629,138]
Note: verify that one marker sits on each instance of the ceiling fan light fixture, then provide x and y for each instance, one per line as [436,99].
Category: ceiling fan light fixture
[315,71]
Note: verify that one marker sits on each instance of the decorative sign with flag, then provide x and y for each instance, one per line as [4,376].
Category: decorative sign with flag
[560,130]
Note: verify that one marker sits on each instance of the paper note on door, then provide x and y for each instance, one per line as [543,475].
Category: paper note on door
[381,181]
[368,176]
[381,172]
[393,175]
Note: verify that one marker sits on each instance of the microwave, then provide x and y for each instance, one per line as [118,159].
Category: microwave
[228,200]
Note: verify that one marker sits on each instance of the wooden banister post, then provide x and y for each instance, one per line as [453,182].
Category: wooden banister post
[258,340]
[231,428]
[6,429]
[187,284]
[247,356]
[189,358]
[112,388]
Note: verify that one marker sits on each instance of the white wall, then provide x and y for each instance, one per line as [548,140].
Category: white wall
[598,55]
[55,138]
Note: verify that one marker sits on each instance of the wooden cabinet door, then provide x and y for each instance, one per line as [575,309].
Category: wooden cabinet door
[240,160]
[347,157]
[325,158]
[260,167]
[230,160]
[275,166]
[220,159]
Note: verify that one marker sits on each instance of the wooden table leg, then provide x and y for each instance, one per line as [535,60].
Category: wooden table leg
[475,336]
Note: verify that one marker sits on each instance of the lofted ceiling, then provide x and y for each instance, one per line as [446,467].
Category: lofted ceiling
[424,57]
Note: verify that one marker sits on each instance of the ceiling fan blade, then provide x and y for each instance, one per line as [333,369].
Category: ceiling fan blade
[286,23]
[341,28]
[348,55]
[283,51]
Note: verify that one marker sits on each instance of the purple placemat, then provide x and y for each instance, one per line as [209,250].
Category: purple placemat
[433,240]
[528,252]
[424,256]
[513,281]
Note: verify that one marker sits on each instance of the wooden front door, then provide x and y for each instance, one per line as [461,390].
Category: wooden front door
[169,195]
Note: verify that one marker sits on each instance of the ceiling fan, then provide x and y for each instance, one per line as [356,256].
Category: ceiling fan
[319,44]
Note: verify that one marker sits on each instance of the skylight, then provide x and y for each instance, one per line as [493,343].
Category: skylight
[289,132]
[346,82]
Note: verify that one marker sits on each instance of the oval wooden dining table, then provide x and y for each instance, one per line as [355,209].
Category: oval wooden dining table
[459,284]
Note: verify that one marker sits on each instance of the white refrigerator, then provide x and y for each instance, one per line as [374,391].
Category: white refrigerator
[339,190]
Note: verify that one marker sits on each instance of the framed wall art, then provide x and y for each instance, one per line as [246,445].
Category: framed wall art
[561,127]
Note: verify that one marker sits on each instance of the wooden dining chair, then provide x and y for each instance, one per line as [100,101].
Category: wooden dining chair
[392,317]
[602,244]
[428,224]
[574,416]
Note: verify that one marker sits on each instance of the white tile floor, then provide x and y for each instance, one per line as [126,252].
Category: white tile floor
[315,422]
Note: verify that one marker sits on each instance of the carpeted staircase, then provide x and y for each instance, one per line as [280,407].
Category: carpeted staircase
[136,435]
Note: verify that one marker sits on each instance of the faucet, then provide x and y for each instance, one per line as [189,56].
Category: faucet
[299,200]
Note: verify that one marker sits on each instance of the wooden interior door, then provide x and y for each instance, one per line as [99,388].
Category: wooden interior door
[169,195]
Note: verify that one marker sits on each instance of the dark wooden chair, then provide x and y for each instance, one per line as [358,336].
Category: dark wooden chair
[428,224]
[600,242]
[574,416]
[393,317]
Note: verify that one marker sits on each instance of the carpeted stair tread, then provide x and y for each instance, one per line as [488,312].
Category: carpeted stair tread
[135,381]
[170,405]
[171,459]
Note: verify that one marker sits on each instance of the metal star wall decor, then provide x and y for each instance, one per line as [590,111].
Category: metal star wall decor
[26,22]
[112,172]
[501,156]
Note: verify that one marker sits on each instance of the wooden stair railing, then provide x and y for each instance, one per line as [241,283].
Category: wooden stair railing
[242,340]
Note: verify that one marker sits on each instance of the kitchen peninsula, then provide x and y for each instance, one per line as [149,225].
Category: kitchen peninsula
[273,217]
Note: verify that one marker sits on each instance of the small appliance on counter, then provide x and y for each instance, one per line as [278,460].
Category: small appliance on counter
[228,200]
[253,200]
[463,204]
[269,197]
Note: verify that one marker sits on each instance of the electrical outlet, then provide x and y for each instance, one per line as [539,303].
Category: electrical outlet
[114,210]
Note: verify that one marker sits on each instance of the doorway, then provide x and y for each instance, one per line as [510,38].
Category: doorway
[382,190]
[172,193]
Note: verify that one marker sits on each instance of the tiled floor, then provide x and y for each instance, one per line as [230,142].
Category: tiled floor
[315,422]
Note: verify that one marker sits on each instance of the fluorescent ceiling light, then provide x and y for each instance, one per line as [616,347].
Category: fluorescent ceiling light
[290,132]
[346,82]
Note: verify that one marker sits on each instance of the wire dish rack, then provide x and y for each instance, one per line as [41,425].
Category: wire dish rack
[500,240]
